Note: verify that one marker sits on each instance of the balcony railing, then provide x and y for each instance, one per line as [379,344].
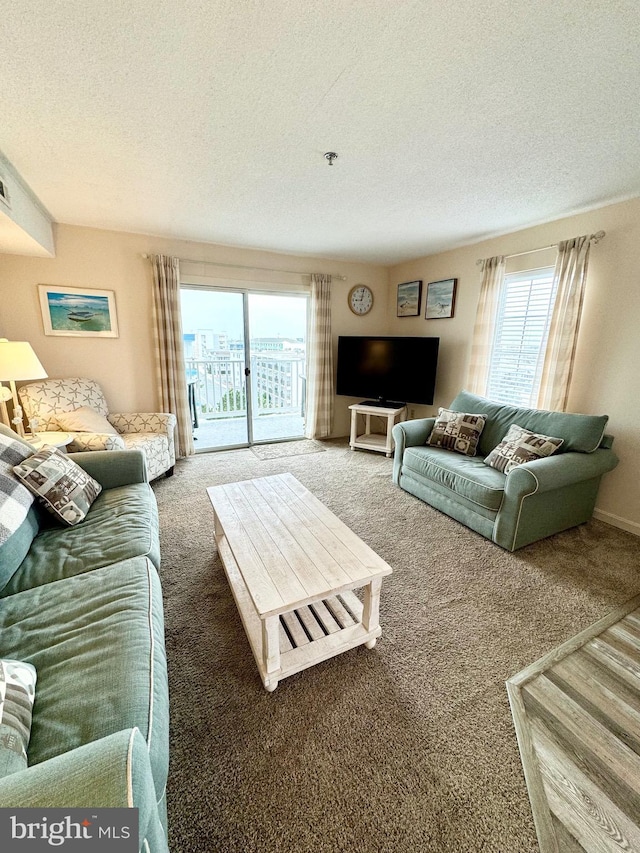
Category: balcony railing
[217,386]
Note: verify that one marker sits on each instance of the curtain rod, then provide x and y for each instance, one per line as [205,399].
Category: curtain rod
[243,267]
[595,238]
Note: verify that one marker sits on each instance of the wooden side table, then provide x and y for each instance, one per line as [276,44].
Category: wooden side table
[53,439]
[381,442]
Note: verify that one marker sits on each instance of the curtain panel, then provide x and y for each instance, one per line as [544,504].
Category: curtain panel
[320,385]
[569,281]
[167,320]
[493,270]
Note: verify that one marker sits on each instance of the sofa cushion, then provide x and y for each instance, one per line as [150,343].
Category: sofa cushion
[122,523]
[457,431]
[462,475]
[62,487]
[581,433]
[96,642]
[520,446]
[17,691]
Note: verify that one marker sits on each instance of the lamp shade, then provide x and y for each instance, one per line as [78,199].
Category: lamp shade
[18,361]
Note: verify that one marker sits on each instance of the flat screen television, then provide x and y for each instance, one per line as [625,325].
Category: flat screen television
[387,370]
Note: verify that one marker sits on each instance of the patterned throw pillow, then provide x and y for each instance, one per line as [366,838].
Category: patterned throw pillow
[17,692]
[15,500]
[61,486]
[457,431]
[520,446]
[84,419]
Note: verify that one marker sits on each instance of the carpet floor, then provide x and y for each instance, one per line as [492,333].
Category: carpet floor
[407,747]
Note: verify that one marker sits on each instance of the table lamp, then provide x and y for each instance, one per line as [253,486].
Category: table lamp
[18,361]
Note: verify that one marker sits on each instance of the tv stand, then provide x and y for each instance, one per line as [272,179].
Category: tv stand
[383,404]
[382,443]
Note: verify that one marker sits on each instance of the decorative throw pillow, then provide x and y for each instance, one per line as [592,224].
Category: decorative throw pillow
[61,486]
[520,446]
[457,431]
[15,500]
[17,692]
[84,419]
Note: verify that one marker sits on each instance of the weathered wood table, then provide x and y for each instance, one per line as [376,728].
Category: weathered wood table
[577,717]
[292,566]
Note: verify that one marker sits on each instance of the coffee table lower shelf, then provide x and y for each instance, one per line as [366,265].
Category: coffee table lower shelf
[307,635]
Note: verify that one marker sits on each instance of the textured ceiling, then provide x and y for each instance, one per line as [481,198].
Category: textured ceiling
[208,120]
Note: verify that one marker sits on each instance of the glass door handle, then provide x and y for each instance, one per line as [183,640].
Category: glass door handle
[247,371]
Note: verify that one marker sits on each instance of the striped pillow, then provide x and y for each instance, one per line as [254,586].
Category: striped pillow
[15,499]
[17,692]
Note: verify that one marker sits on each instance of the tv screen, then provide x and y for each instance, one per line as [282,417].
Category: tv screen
[386,369]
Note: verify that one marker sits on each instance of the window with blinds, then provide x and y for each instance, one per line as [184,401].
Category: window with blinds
[522,329]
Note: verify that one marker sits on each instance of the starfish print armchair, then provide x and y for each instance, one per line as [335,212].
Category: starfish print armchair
[78,406]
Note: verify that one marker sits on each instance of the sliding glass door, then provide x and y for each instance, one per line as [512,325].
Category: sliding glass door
[245,359]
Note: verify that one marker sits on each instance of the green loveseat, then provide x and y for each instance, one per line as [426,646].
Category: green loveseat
[83,605]
[532,501]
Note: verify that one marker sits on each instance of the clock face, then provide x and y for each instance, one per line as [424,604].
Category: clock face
[360,299]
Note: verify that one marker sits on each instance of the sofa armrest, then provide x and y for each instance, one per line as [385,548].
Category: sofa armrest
[113,468]
[132,422]
[113,772]
[554,472]
[409,434]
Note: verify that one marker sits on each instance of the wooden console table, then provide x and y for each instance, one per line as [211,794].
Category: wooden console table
[381,442]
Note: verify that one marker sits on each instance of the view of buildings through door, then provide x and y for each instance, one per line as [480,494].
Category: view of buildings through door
[245,360]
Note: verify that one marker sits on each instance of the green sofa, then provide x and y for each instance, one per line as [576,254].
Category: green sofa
[83,605]
[530,503]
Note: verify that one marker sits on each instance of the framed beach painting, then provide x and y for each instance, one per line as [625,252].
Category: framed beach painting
[409,294]
[78,312]
[441,299]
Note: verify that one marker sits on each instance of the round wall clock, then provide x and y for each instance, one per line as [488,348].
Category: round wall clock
[360,299]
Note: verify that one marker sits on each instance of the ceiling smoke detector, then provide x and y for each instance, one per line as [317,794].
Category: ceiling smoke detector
[330,156]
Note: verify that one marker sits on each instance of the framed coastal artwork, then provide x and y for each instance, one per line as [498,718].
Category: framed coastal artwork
[409,294]
[441,299]
[78,312]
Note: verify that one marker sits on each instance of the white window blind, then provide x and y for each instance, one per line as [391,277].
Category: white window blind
[522,328]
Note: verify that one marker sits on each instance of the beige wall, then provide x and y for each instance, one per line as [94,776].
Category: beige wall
[606,372]
[111,260]
[605,378]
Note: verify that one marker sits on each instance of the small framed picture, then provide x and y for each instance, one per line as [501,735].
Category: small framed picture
[409,295]
[441,299]
[78,312]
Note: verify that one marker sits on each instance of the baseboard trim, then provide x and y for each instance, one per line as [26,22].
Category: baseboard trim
[617,521]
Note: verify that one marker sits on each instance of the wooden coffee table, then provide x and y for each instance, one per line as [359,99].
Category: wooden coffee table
[292,566]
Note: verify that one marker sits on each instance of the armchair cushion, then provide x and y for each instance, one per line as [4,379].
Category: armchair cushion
[47,399]
[84,419]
